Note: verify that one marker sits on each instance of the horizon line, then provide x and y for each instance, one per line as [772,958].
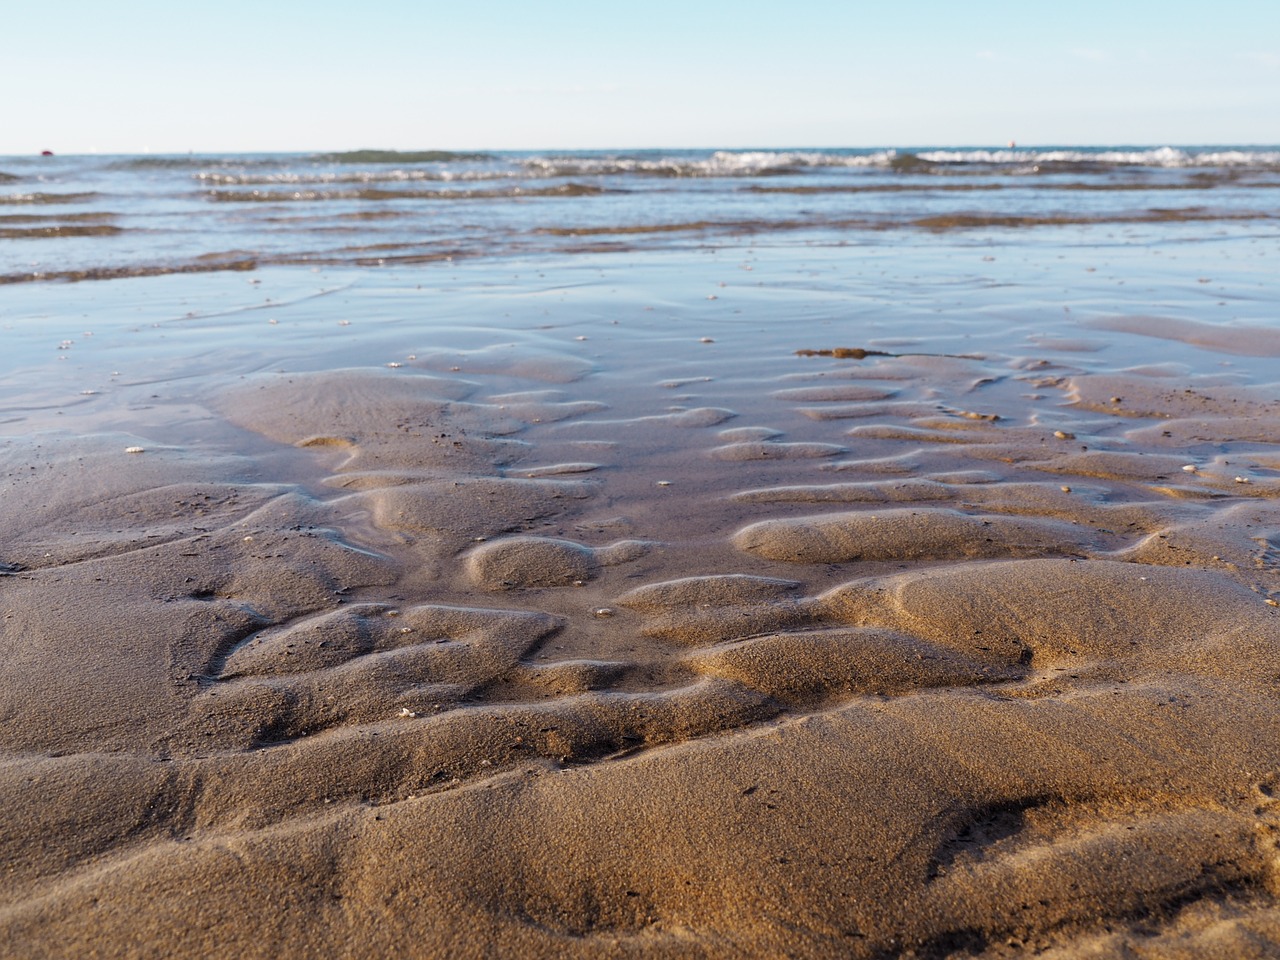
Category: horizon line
[1010,145]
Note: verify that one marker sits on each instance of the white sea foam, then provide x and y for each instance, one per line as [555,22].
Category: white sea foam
[735,163]
[1153,157]
[722,163]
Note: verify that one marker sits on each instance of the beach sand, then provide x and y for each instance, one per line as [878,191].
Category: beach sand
[566,611]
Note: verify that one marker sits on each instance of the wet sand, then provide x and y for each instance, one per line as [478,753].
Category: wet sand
[562,609]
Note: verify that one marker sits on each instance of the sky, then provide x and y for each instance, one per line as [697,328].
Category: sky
[139,76]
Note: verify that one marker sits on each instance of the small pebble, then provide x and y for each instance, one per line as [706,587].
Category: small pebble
[393,364]
[579,338]
[1063,435]
[664,483]
[1189,468]
[603,612]
[406,712]
[1066,489]
[344,323]
[1273,603]
[1243,480]
[135,449]
[273,322]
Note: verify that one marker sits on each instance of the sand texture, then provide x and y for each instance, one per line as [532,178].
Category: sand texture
[636,645]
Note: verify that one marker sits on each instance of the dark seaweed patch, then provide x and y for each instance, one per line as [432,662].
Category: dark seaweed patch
[23,199]
[963,221]
[86,217]
[844,353]
[910,163]
[44,233]
[118,273]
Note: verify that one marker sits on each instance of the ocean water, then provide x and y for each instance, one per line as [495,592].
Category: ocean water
[92,217]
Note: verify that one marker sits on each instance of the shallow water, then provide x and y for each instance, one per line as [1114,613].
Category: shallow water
[1068,293]
[93,217]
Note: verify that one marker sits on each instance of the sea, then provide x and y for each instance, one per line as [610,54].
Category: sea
[69,218]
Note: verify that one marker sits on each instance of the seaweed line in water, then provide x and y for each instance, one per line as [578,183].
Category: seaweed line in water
[858,353]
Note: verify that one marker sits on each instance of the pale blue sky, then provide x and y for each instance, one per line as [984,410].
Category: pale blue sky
[234,75]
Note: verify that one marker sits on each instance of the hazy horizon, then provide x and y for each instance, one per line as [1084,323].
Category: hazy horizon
[143,77]
[410,150]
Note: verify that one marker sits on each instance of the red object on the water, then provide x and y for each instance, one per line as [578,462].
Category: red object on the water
[46,153]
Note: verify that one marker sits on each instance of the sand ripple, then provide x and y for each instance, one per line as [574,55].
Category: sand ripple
[488,668]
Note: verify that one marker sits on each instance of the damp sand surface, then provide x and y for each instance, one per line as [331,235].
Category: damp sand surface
[561,607]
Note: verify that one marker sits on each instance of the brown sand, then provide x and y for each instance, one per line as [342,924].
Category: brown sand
[605,649]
